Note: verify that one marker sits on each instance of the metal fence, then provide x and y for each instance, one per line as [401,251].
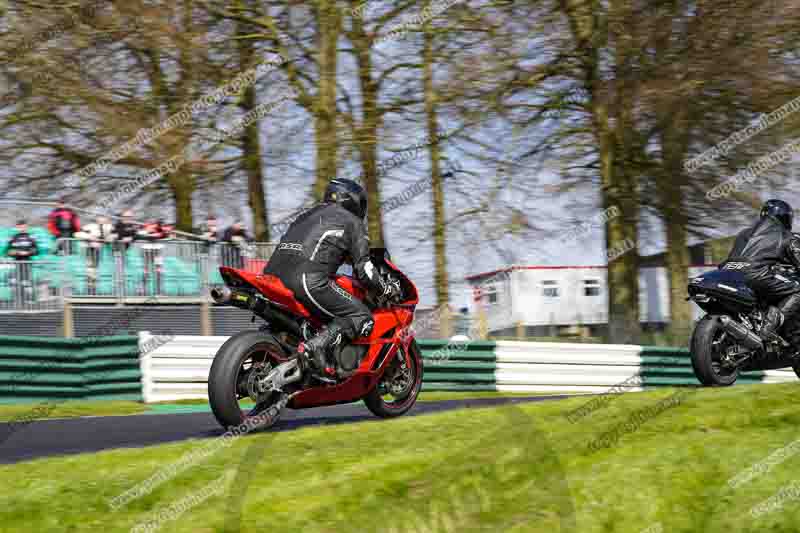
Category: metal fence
[168,268]
[31,286]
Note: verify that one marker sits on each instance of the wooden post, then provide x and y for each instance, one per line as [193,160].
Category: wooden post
[205,319]
[68,321]
[445,322]
[520,331]
[483,324]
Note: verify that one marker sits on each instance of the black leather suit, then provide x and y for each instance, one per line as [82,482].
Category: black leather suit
[316,244]
[756,252]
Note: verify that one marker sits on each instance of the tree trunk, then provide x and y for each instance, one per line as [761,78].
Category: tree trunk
[623,270]
[253,165]
[182,181]
[251,146]
[182,189]
[617,189]
[678,259]
[673,212]
[367,132]
[623,259]
[673,111]
[439,235]
[325,106]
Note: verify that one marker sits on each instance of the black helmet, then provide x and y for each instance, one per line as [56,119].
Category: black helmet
[780,210]
[349,194]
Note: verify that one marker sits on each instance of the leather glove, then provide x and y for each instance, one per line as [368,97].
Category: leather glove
[392,291]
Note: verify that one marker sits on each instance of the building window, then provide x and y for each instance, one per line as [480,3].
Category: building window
[550,289]
[491,293]
[591,287]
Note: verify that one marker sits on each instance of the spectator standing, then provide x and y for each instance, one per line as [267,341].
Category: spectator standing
[235,239]
[154,231]
[210,230]
[210,235]
[125,230]
[22,247]
[63,223]
[97,235]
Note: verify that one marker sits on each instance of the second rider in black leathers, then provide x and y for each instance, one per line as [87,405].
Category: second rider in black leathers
[314,247]
[757,253]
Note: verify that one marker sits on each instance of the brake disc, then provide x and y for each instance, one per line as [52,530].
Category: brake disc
[399,381]
[255,387]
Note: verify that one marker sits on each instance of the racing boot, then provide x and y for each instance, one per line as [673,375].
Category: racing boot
[790,307]
[772,322]
[776,316]
[316,350]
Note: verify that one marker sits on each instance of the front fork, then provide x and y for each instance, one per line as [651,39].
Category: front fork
[406,338]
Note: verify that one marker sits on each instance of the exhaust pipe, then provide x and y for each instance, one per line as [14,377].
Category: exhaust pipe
[747,338]
[256,305]
[221,295]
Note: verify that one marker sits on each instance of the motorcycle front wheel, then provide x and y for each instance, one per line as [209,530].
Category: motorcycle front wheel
[399,387]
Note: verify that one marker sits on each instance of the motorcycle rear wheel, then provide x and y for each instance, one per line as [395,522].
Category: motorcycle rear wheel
[245,352]
[708,345]
[381,401]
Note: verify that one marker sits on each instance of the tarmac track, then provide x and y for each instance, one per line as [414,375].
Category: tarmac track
[45,438]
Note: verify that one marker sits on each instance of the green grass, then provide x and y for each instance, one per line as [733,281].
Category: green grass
[435,396]
[69,409]
[72,409]
[510,468]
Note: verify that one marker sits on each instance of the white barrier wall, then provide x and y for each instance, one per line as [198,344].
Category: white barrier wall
[564,367]
[179,369]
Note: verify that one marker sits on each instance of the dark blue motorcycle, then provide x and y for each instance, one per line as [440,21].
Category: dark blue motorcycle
[725,342]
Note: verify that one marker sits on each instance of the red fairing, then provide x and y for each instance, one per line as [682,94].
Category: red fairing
[385,320]
[394,321]
[271,287]
[351,390]
[413,298]
[351,286]
[390,331]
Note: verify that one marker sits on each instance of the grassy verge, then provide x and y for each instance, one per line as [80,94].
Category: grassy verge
[70,409]
[510,468]
[112,408]
[435,396]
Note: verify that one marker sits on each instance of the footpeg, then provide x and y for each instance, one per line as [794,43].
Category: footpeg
[317,362]
[323,379]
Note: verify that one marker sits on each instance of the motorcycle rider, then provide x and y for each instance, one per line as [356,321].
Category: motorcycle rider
[316,244]
[757,253]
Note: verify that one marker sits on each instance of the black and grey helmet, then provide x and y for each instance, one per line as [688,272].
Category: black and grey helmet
[780,210]
[349,194]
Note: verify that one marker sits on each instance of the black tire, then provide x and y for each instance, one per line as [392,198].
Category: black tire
[380,407]
[708,340]
[224,375]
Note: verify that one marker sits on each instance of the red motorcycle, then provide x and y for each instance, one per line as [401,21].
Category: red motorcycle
[263,366]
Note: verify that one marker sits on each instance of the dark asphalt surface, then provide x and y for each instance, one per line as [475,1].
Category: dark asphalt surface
[81,435]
